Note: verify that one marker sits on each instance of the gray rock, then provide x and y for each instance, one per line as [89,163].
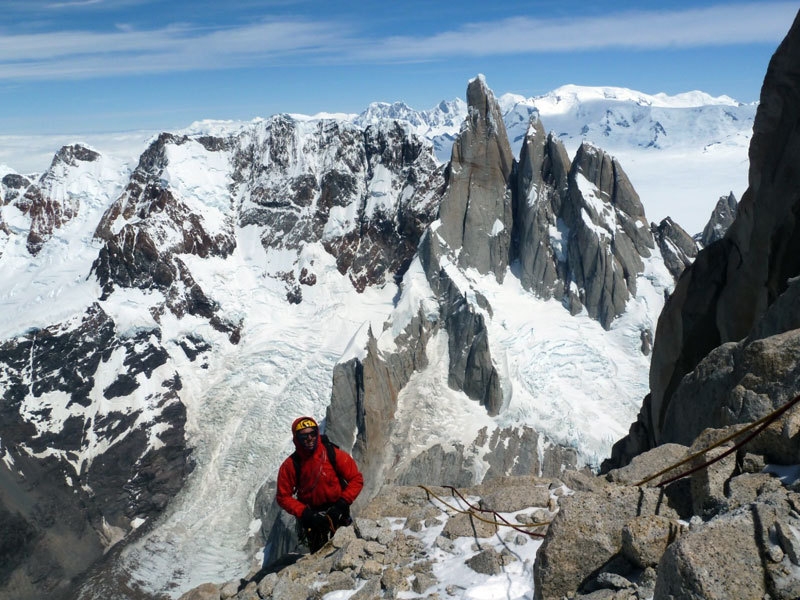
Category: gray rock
[677,247]
[206,591]
[753,463]
[369,591]
[581,481]
[789,538]
[608,235]
[462,525]
[250,592]
[586,534]
[267,585]
[708,484]
[445,466]
[613,581]
[729,291]
[510,451]
[721,219]
[486,562]
[649,463]
[229,590]
[747,487]
[394,501]
[445,544]
[350,556]
[718,560]
[336,581]
[540,515]
[645,538]
[514,498]
[343,537]
[476,210]
[288,589]
[371,568]
[394,581]
[422,582]
[541,187]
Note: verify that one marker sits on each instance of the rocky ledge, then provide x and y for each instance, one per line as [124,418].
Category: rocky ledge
[728,531]
[407,543]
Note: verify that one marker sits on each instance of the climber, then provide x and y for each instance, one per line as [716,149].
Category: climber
[317,484]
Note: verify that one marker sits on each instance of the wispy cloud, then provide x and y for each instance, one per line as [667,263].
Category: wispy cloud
[81,54]
[84,54]
[74,3]
[765,22]
[39,7]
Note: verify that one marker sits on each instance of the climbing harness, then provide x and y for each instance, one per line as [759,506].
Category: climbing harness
[473,510]
[756,427]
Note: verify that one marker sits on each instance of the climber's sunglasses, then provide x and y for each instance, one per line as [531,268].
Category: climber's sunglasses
[306,436]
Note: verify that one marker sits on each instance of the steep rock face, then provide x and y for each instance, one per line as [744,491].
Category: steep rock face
[365,194]
[741,382]
[720,221]
[152,223]
[677,247]
[724,296]
[542,182]
[365,390]
[48,208]
[608,234]
[476,211]
[365,393]
[12,187]
[580,231]
[470,367]
[75,461]
[508,451]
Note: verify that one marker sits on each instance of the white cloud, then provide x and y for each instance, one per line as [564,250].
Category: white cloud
[124,50]
[765,22]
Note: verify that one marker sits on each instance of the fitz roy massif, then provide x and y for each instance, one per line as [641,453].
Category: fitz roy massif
[467,296]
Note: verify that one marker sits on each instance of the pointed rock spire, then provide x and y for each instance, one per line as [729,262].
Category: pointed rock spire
[476,211]
[721,218]
[608,234]
[677,247]
[541,186]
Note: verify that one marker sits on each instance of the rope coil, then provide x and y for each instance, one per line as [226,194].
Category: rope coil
[473,510]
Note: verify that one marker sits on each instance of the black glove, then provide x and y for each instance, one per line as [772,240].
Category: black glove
[307,518]
[317,521]
[339,511]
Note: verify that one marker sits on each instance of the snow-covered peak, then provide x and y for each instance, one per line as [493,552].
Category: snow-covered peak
[215,127]
[567,97]
[445,117]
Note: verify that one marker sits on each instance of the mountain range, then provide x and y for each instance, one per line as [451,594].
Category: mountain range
[461,293]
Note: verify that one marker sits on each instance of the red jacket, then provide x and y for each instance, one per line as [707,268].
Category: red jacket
[319,484]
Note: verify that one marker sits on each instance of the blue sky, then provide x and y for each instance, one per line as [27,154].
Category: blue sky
[87,66]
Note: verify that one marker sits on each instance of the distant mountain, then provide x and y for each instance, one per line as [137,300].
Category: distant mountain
[681,152]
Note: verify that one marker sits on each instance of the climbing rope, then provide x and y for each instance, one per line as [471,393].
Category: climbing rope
[474,510]
[756,427]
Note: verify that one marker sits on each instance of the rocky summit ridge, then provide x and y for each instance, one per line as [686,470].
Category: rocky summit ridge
[389,286]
